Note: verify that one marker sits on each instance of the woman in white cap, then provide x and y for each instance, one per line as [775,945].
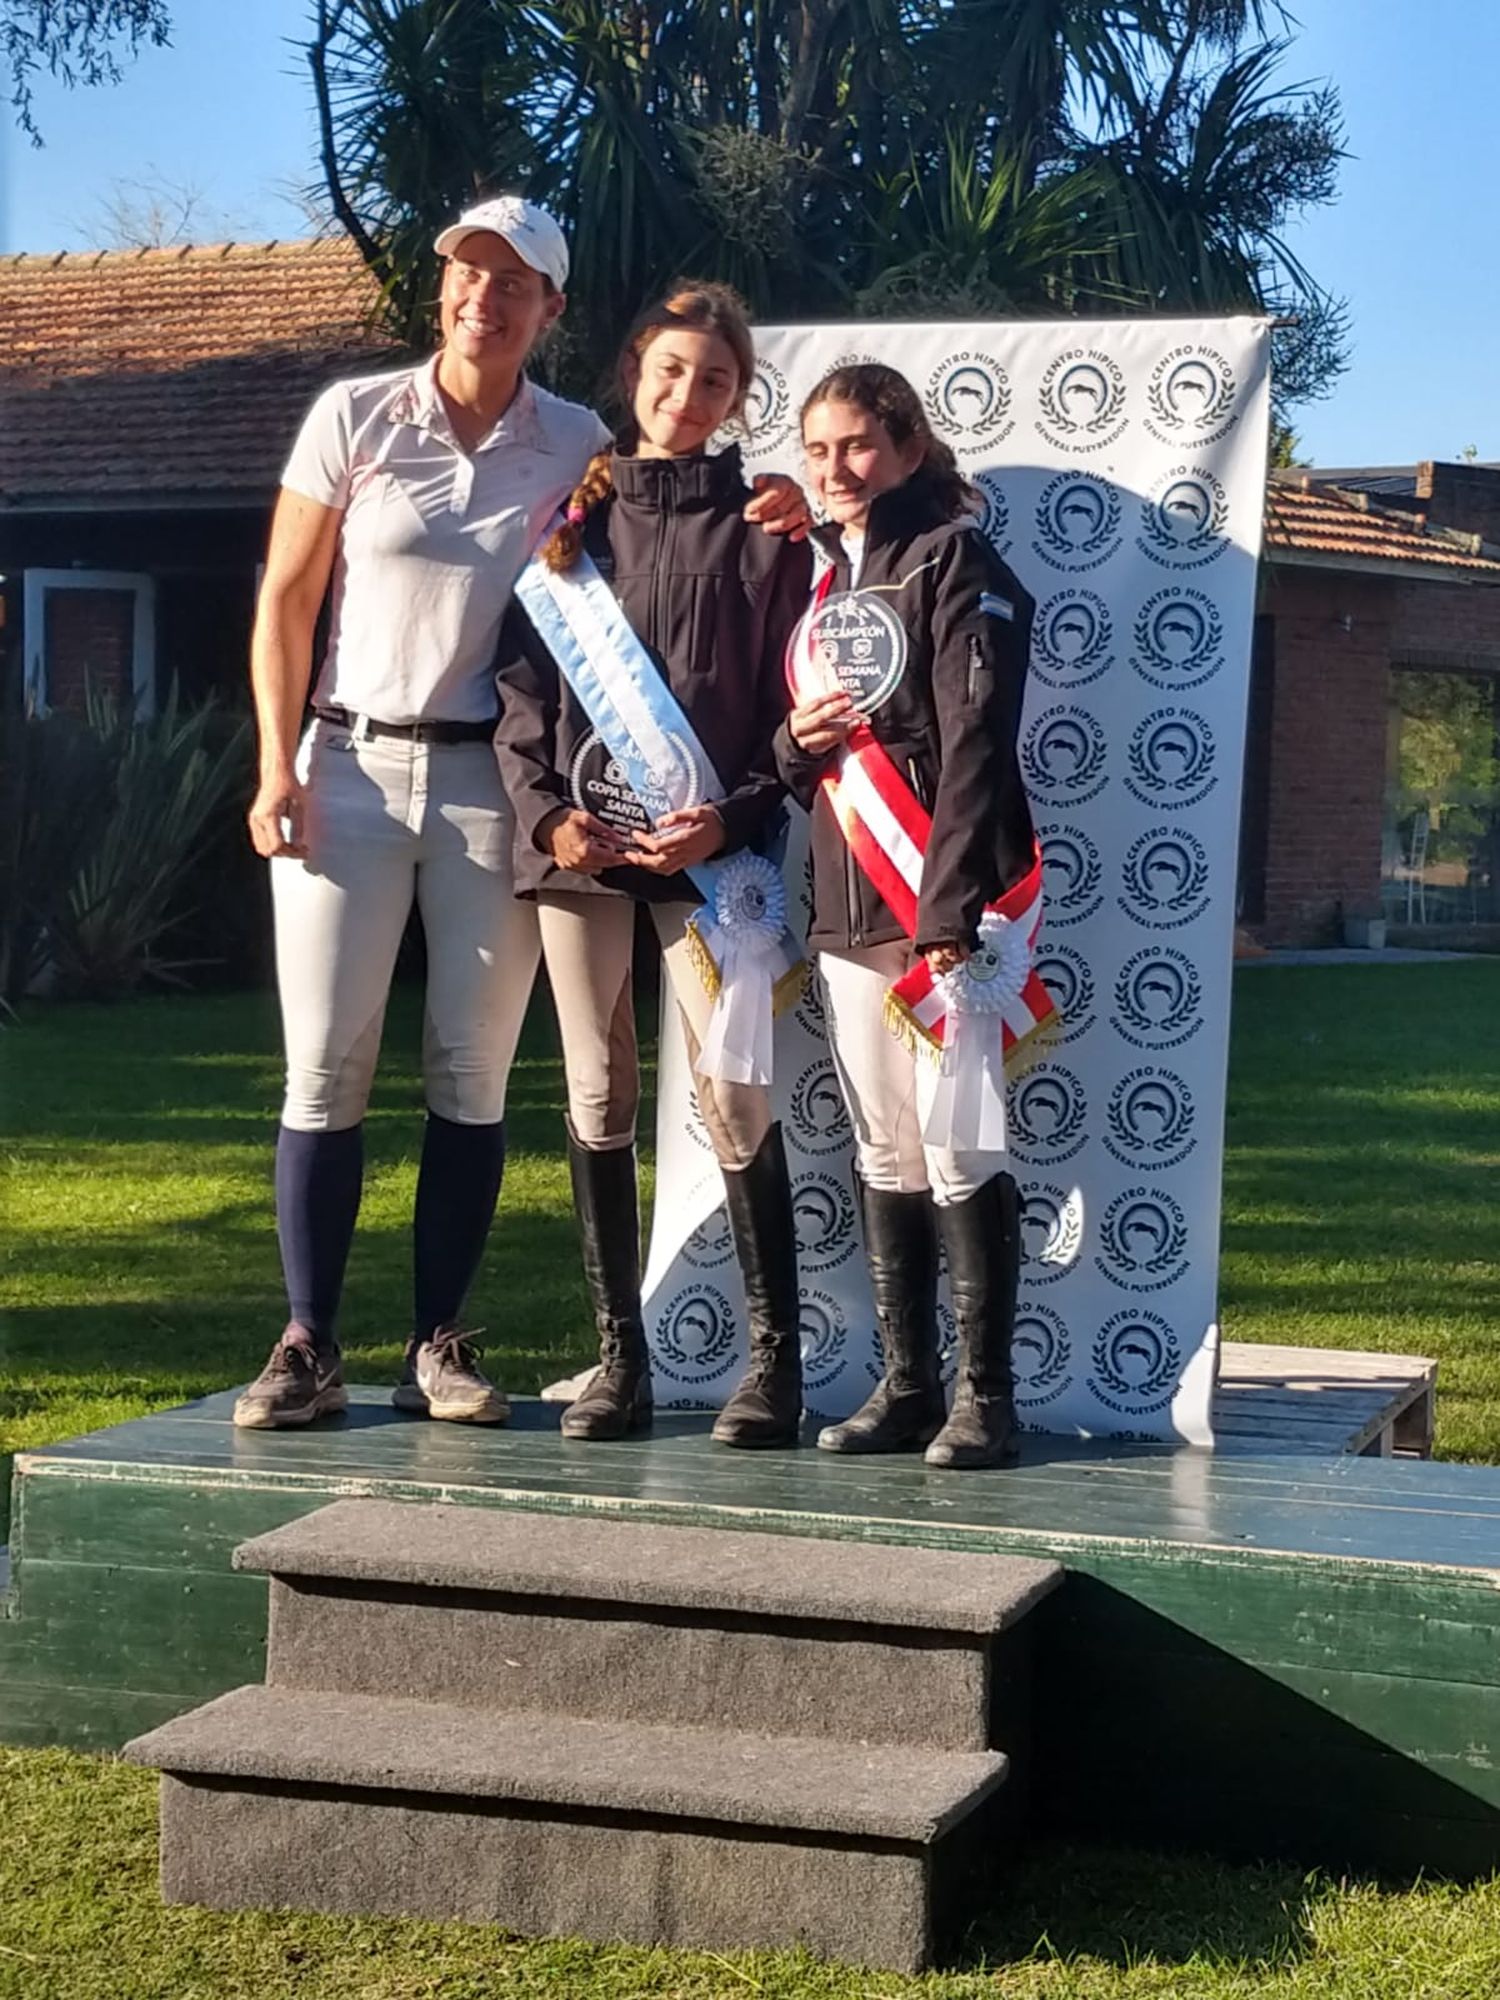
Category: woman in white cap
[419,493]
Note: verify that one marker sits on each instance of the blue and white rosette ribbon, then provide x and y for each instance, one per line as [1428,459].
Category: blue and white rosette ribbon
[966,1111]
[742,929]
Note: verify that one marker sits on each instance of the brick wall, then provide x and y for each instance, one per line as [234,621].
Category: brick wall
[1327,748]
[90,640]
[1451,626]
[1461,496]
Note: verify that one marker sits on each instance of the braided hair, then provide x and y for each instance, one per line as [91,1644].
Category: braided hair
[888,397]
[699,306]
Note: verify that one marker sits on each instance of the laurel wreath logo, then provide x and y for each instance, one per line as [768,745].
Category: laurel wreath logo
[1054,1352]
[1064,1227]
[1174,1130]
[1119,1251]
[1058,418]
[704,1309]
[1212,414]
[1043,778]
[1107,1369]
[1135,977]
[1158,529]
[1067,1127]
[1052,535]
[1086,656]
[1087,883]
[1206,647]
[1193,771]
[1141,890]
[1073,999]
[942,418]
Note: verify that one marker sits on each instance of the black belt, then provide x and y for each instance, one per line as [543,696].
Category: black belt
[411,732]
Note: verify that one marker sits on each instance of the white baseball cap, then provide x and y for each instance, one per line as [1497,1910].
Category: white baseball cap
[530,231]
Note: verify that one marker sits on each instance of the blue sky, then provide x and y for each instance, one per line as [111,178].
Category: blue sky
[1413,241]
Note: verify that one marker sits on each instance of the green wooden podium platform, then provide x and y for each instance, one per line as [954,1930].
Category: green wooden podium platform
[1250,1654]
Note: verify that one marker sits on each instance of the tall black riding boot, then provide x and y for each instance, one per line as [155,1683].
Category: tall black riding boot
[766,1407]
[982,1237]
[906,1409]
[618,1399]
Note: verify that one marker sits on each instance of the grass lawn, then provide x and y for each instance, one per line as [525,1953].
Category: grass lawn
[140,1268]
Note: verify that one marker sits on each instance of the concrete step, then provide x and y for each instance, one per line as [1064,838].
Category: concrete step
[548,1825]
[645,1624]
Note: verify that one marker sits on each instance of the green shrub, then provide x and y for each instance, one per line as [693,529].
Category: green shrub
[105,826]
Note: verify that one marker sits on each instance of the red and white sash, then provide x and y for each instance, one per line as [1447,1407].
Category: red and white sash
[887,829]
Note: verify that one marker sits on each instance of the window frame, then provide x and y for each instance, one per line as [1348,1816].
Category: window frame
[36,583]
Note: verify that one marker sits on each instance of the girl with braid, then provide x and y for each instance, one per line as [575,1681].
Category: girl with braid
[713,602]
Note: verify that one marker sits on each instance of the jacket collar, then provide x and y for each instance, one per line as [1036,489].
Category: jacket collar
[895,516]
[703,478]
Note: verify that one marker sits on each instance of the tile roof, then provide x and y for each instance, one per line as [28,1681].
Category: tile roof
[131,374]
[1309,522]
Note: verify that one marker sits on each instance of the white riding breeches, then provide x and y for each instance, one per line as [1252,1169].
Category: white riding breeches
[887,1087]
[391,821]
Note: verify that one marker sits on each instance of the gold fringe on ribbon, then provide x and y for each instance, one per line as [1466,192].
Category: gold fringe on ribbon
[704,962]
[790,987]
[904,1025]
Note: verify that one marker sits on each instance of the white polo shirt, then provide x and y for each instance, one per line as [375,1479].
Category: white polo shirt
[433,537]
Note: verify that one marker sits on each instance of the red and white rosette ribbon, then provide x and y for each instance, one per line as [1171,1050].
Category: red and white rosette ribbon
[980,998]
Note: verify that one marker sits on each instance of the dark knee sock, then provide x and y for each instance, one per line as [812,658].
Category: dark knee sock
[457,1189]
[318,1180]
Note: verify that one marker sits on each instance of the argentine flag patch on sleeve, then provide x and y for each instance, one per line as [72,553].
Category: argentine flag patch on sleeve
[997,607]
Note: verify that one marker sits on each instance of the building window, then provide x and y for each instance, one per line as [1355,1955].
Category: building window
[89,628]
[1442,810]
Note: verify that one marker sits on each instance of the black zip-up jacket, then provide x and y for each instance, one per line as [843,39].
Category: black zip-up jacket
[949,723]
[714,600]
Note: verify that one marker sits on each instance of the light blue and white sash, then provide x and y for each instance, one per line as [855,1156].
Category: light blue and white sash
[744,953]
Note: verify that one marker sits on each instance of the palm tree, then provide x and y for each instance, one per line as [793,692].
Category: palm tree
[833,157]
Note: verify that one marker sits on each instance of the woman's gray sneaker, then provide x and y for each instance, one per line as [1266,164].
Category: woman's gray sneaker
[442,1379]
[298,1384]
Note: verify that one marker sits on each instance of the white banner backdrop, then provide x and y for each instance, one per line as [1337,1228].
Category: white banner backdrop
[1122,466]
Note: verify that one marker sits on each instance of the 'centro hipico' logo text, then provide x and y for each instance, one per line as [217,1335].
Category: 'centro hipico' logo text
[1077,521]
[1179,639]
[1158,998]
[1136,1362]
[969,399]
[1048,1115]
[1192,397]
[1164,879]
[1051,1230]
[995,520]
[820,1123]
[1071,639]
[1143,1240]
[824,1337]
[1082,401]
[1063,755]
[1149,1119]
[1068,977]
[860,640]
[695,1335]
[823,1218]
[1184,519]
[1171,758]
[768,405]
[1041,1352]
[711,1243]
[1071,871]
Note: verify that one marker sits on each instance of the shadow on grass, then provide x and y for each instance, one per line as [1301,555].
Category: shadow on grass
[1120,1906]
